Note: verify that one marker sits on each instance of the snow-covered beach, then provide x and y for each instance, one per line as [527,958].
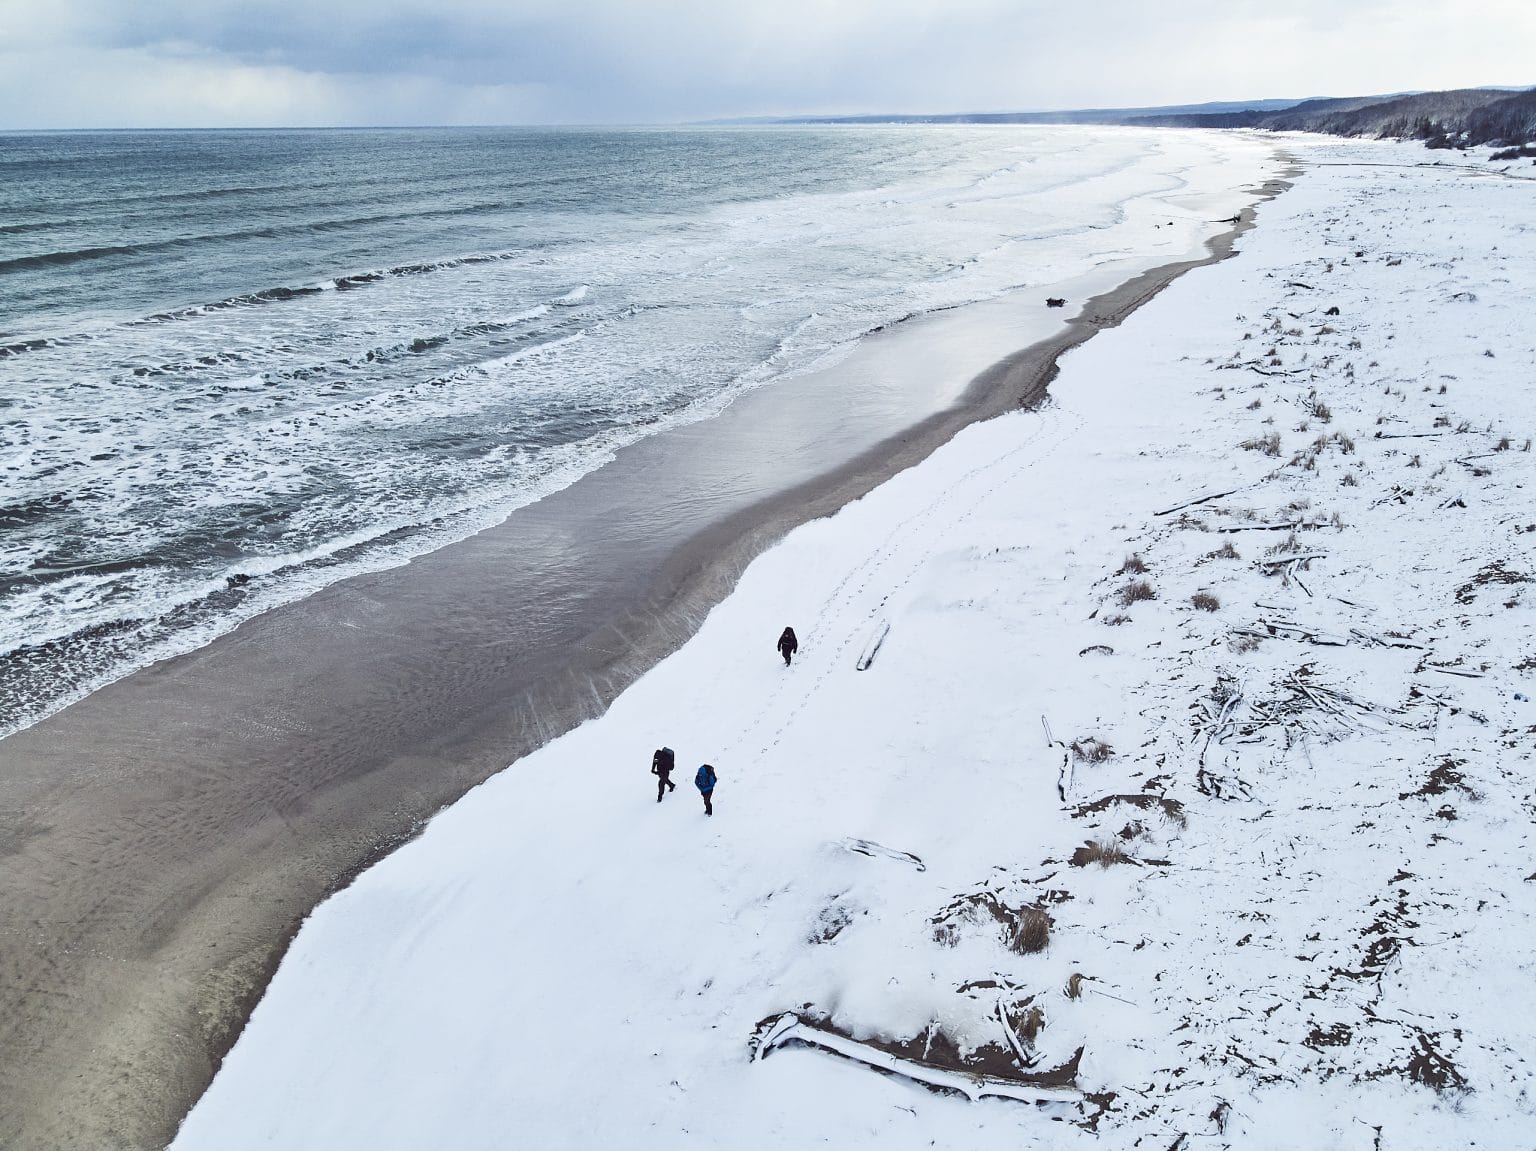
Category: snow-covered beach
[163,838]
[1211,671]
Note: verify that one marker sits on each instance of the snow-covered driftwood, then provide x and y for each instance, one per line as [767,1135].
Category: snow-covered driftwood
[878,850]
[1271,629]
[1291,559]
[1384,640]
[872,644]
[1053,1085]
[1201,500]
[1288,525]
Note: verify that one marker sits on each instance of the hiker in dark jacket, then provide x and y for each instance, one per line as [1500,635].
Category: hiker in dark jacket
[788,644]
[704,780]
[661,767]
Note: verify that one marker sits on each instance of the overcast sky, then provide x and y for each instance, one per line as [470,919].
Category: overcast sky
[214,63]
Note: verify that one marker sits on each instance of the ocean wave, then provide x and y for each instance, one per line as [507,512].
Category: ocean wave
[352,281]
[22,346]
[419,344]
[267,232]
[36,226]
[69,256]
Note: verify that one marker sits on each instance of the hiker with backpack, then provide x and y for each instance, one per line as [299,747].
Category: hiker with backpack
[704,780]
[661,767]
[788,644]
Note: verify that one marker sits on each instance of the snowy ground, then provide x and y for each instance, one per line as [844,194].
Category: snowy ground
[1321,932]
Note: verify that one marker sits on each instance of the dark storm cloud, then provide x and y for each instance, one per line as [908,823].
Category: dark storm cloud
[333,37]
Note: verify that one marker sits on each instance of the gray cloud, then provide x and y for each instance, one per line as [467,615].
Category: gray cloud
[213,62]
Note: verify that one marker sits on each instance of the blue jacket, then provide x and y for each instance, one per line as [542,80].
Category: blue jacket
[705,779]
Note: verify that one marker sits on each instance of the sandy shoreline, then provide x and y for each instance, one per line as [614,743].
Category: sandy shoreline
[163,839]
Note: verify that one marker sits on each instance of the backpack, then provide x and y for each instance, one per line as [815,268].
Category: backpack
[705,779]
[663,761]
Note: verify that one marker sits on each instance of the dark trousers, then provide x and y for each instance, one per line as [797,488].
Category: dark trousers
[708,810]
[663,785]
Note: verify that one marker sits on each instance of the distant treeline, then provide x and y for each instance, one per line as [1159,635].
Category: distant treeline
[1458,119]
[1462,118]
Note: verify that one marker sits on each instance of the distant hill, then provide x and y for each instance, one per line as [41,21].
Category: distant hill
[1072,116]
[1464,117]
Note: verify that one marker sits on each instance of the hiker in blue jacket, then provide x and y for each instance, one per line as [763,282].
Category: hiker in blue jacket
[705,782]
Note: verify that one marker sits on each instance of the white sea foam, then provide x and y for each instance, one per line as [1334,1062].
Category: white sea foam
[410,409]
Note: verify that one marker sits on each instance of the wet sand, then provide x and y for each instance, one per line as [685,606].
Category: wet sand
[162,839]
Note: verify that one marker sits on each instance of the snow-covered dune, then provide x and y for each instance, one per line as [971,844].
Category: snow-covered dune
[1269,815]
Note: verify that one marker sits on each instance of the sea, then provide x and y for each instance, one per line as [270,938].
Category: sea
[238,366]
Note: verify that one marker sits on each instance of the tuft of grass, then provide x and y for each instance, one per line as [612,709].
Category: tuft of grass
[1074,988]
[1503,445]
[1099,851]
[1349,480]
[1133,565]
[1415,462]
[1025,930]
[1136,591]
[1269,445]
[1225,552]
[1204,601]
[1225,688]
[1289,544]
[1346,443]
[1243,644]
[1091,749]
[1256,405]
[1114,620]
[1030,933]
